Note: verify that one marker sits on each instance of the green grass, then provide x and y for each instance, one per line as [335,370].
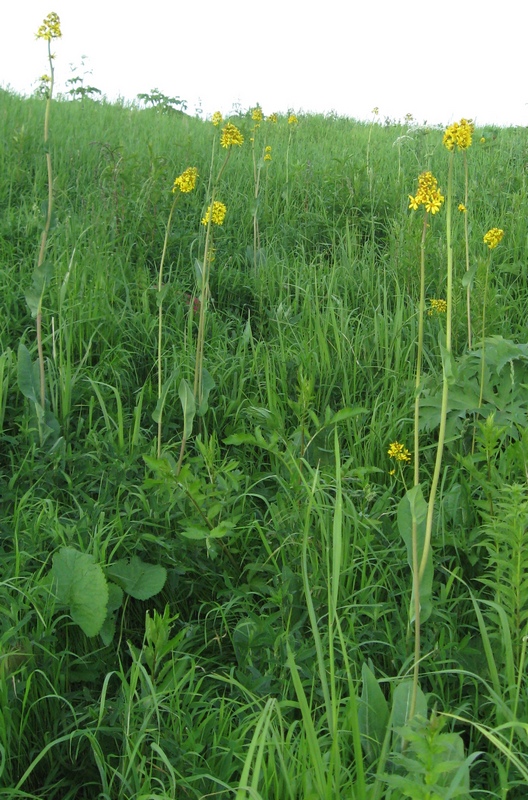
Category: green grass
[281,658]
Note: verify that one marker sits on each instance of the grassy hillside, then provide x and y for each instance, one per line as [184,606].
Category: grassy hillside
[220,470]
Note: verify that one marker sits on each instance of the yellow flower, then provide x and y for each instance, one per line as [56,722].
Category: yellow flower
[462,208]
[216,214]
[459,135]
[272,118]
[217,119]
[267,153]
[256,114]
[50,28]
[433,203]
[186,181]
[437,307]
[482,139]
[375,111]
[231,136]
[399,452]
[493,237]
[428,194]
[292,120]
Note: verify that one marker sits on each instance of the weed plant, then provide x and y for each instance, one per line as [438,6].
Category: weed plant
[243,597]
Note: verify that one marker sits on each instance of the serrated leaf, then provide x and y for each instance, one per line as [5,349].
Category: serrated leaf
[81,585]
[137,578]
[194,532]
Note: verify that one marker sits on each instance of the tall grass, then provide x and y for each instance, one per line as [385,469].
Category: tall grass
[284,648]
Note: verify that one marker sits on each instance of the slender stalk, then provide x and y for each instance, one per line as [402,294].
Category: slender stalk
[160,320]
[204,298]
[466,238]
[45,232]
[445,385]
[414,532]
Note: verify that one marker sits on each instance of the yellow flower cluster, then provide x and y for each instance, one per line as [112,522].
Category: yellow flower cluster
[493,237]
[292,120]
[215,213]
[50,28]
[186,181]
[437,307]
[428,194]
[459,134]
[256,114]
[267,153]
[462,208]
[231,136]
[399,452]
[217,119]
[273,118]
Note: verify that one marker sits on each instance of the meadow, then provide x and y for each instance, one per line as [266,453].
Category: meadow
[264,456]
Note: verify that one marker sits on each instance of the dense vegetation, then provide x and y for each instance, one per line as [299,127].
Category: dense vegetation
[211,595]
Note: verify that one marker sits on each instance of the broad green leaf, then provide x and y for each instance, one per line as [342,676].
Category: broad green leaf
[346,413]
[162,399]
[137,578]
[411,507]
[469,276]
[81,585]
[198,271]
[28,375]
[208,385]
[41,277]
[194,532]
[373,714]
[222,529]
[240,438]
[188,406]
[401,704]
[115,600]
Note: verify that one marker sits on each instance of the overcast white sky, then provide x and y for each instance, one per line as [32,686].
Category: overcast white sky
[438,61]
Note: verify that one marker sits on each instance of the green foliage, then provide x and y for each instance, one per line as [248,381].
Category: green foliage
[82,586]
[251,588]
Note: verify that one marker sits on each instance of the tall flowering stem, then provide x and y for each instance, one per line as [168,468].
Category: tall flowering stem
[429,196]
[466,240]
[446,358]
[230,137]
[492,238]
[50,29]
[184,184]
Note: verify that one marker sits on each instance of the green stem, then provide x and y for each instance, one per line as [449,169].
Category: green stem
[160,319]
[445,385]
[414,531]
[466,237]
[206,268]
[45,232]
